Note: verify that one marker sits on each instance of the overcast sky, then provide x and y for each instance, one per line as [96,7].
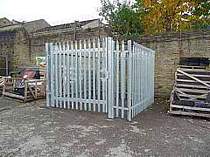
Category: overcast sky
[54,11]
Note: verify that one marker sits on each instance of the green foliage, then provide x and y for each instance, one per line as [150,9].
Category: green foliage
[202,9]
[124,19]
[155,16]
[201,14]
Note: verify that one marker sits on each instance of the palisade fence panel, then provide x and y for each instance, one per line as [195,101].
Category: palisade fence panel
[101,75]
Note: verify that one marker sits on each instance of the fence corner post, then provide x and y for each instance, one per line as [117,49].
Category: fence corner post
[109,49]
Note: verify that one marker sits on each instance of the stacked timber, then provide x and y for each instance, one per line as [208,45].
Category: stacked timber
[191,92]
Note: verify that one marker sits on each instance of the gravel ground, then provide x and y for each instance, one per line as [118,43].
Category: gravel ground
[30,129]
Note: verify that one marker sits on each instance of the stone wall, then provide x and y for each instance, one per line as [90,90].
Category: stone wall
[21,56]
[15,45]
[6,49]
[169,48]
[23,50]
[38,41]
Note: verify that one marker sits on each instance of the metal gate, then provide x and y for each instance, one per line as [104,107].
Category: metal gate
[100,75]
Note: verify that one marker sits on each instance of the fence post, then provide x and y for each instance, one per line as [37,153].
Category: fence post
[129,80]
[48,60]
[110,53]
[153,76]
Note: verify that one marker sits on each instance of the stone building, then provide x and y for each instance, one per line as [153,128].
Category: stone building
[15,49]
[22,42]
[5,22]
[77,30]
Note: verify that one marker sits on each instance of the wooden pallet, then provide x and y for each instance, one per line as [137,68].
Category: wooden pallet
[191,87]
[33,89]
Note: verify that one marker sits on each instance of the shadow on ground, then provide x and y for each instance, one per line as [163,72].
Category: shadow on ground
[33,130]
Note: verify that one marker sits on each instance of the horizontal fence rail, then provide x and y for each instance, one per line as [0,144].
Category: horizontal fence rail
[100,75]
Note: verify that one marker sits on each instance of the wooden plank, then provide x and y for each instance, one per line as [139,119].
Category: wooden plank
[192,67]
[184,94]
[35,80]
[190,81]
[194,70]
[193,90]
[13,95]
[194,96]
[32,91]
[191,86]
[189,114]
[194,78]
[190,108]
[195,75]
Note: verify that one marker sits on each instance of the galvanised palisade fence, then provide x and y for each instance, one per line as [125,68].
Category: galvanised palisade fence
[102,75]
